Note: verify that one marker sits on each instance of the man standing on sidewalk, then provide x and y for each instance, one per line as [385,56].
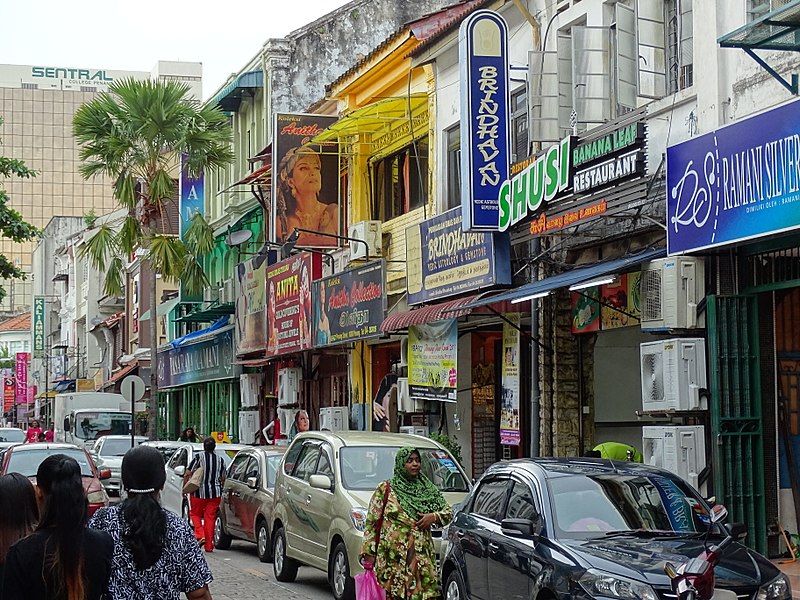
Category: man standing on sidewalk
[204,503]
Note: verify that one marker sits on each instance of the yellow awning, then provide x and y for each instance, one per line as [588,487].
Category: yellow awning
[50,394]
[373,117]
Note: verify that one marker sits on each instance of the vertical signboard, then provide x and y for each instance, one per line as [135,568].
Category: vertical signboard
[8,393]
[509,411]
[432,360]
[192,196]
[37,323]
[21,376]
[289,318]
[305,181]
[251,305]
[485,147]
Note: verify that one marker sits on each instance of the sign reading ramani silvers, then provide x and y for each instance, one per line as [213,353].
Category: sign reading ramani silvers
[443,260]
[485,157]
[350,305]
[209,359]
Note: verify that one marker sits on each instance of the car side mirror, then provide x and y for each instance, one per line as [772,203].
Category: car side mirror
[521,528]
[104,474]
[180,471]
[320,482]
[66,424]
[252,482]
[738,531]
[718,513]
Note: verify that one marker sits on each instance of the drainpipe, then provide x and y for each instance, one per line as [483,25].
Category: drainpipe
[536,422]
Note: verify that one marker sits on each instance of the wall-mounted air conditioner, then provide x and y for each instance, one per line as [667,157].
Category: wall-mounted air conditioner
[414,430]
[673,374]
[227,292]
[286,418]
[334,418]
[211,294]
[680,450]
[248,427]
[403,352]
[372,233]
[404,402]
[289,385]
[671,289]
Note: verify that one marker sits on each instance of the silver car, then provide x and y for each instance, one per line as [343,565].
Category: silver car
[108,451]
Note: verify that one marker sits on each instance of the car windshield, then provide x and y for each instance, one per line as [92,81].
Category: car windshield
[92,425]
[226,454]
[12,435]
[364,467]
[586,506]
[27,461]
[117,447]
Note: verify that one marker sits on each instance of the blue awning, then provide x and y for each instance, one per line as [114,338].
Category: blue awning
[573,277]
[68,385]
[229,98]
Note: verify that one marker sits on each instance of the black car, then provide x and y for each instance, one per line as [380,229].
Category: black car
[547,529]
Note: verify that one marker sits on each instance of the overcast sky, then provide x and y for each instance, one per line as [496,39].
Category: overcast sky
[133,36]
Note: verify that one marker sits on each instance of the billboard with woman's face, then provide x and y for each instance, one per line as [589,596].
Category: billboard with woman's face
[305,181]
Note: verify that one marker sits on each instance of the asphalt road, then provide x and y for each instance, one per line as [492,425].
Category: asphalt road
[239,575]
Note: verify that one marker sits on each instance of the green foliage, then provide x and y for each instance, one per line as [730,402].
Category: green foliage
[90,218]
[453,447]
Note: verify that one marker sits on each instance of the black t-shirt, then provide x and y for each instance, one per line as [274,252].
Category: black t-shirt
[23,569]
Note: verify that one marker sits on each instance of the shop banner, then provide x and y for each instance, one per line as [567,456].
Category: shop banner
[350,305]
[485,113]
[9,390]
[305,181]
[736,183]
[37,324]
[586,310]
[251,305]
[433,360]
[21,376]
[209,359]
[191,196]
[289,318]
[443,260]
[509,412]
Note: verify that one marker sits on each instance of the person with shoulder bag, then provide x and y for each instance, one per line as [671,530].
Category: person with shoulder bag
[204,501]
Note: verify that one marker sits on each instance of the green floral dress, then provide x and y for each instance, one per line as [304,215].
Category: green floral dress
[405,563]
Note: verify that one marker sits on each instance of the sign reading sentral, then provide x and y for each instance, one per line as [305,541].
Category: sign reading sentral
[483,52]
[78,75]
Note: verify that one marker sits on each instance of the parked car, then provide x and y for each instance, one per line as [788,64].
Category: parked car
[583,529]
[108,451]
[25,459]
[173,498]
[10,436]
[323,490]
[245,511]
[166,447]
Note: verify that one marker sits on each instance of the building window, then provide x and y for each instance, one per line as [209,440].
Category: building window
[519,125]
[680,53]
[399,181]
[758,8]
[453,152]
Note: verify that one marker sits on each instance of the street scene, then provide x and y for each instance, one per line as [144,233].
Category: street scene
[401,299]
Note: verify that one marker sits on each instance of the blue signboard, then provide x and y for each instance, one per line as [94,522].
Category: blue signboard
[485,154]
[209,359]
[191,194]
[444,260]
[736,183]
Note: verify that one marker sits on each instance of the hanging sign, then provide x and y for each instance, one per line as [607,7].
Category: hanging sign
[289,318]
[37,323]
[21,377]
[509,411]
[251,305]
[432,360]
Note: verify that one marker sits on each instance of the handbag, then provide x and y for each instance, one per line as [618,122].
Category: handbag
[195,481]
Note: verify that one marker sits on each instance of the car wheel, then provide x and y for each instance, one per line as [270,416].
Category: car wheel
[221,539]
[454,588]
[341,583]
[263,545]
[284,568]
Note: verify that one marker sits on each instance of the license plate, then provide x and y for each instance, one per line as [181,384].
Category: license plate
[724,595]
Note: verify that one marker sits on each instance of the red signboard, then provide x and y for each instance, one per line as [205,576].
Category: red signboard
[289,317]
[22,377]
[8,393]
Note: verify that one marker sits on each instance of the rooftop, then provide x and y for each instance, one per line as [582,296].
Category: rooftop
[19,323]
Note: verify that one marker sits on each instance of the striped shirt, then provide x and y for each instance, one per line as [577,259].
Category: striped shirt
[213,474]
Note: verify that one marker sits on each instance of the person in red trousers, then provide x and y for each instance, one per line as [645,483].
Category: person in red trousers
[203,503]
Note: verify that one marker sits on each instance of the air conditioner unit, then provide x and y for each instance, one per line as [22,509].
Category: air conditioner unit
[334,418]
[286,419]
[288,385]
[372,233]
[680,450]
[673,374]
[671,289]
[403,352]
[227,292]
[414,430]
[404,402]
[210,294]
[248,427]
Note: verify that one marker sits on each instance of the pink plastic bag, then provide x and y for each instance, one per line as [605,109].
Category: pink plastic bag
[367,586]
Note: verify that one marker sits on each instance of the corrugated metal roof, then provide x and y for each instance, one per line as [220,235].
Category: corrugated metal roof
[428,314]
[453,17]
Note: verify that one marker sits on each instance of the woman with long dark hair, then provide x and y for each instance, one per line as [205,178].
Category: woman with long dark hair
[19,512]
[61,560]
[155,553]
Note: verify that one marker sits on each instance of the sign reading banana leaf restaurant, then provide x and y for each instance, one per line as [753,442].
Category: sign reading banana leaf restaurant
[209,359]
[574,181]
[350,305]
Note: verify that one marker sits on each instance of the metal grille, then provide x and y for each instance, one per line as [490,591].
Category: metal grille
[767,341]
[779,266]
[651,295]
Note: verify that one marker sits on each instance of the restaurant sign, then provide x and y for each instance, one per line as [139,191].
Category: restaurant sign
[289,318]
[209,359]
[443,260]
[350,305]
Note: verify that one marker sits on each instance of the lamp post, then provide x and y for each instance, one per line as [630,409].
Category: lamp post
[295,235]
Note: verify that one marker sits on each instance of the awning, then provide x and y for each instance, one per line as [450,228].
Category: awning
[428,314]
[260,177]
[208,315]
[253,362]
[49,394]
[372,117]
[126,370]
[229,98]
[162,309]
[776,30]
[64,386]
[573,277]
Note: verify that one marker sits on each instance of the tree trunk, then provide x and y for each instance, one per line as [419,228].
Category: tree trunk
[152,405]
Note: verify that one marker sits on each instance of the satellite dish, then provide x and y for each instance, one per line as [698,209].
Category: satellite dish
[237,238]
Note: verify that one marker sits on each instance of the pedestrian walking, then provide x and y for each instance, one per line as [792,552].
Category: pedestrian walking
[62,559]
[397,536]
[50,434]
[19,512]
[33,431]
[204,503]
[189,435]
[155,553]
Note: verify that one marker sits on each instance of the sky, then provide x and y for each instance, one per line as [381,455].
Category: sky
[133,36]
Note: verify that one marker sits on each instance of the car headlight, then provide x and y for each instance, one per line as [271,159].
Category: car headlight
[359,517]
[599,583]
[96,497]
[777,589]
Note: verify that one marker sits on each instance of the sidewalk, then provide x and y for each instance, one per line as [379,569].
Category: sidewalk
[792,570]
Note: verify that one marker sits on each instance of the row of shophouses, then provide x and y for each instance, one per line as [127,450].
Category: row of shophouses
[645,286]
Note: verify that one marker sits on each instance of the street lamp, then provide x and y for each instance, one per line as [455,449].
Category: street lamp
[295,235]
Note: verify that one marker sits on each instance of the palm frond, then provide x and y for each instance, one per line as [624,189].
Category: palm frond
[168,256]
[100,247]
[199,237]
[194,279]
[114,284]
[130,234]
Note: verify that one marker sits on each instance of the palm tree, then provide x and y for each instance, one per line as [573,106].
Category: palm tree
[135,134]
